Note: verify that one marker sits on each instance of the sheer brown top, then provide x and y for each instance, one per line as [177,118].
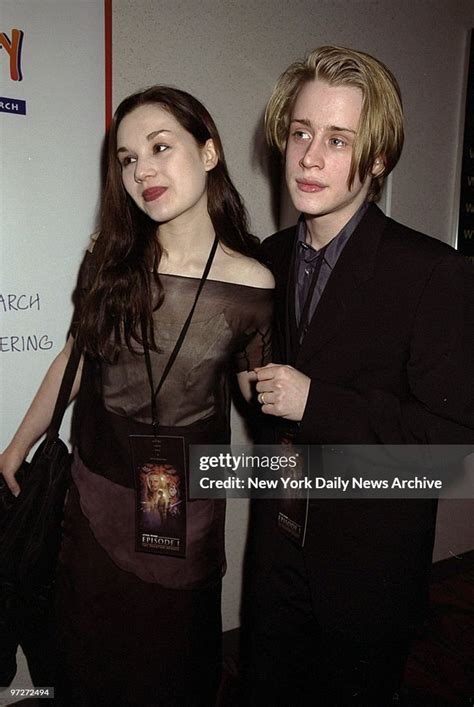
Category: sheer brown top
[230,330]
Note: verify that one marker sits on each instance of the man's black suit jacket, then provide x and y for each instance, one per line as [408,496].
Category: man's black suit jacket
[390,354]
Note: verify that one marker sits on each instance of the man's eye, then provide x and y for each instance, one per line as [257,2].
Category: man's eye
[301,135]
[338,142]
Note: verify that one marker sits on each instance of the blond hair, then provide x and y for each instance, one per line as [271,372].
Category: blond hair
[380,131]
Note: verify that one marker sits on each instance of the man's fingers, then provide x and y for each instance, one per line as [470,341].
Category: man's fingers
[266,398]
[264,386]
[269,372]
[268,365]
[269,410]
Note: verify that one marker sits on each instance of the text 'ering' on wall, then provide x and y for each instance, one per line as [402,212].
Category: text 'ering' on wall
[20,343]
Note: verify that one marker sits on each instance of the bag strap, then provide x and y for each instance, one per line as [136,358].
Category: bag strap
[64,393]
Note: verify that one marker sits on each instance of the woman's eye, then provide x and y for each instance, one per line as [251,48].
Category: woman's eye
[160,148]
[127,160]
[338,142]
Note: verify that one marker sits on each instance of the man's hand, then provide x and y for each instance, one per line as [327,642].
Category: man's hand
[282,391]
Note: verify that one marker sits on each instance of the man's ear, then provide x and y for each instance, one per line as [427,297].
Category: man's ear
[378,167]
[209,155]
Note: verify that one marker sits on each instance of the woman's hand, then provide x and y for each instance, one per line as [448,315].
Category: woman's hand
[10,461]
[36,421]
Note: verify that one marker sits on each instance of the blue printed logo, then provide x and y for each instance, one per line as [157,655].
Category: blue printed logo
[12,105]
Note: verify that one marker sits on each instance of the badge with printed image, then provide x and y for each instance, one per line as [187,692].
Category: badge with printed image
[159,468]
[293,506]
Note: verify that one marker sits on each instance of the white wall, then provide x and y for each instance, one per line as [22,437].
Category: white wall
[49,184]
[229,54]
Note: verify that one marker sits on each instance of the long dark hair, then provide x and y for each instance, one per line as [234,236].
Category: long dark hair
[120,299]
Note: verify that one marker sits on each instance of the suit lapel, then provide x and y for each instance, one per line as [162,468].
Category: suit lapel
[290,318]
[343,290]
[282,263]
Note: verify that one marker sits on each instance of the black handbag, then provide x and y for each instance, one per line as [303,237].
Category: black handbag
[30,537]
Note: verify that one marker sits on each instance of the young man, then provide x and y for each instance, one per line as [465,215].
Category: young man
[374,343]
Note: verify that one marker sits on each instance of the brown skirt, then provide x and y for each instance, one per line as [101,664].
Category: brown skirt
[128,642]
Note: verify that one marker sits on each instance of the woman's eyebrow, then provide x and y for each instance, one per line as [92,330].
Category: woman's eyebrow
[149,137]
[156,132]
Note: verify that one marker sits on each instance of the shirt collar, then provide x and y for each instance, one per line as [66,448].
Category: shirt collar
[333,249]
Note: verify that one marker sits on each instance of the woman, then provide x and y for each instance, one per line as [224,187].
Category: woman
[139,606]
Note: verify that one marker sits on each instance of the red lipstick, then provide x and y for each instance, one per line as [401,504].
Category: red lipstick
[153,193]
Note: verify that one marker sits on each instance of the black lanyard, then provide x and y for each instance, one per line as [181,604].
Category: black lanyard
[177,346]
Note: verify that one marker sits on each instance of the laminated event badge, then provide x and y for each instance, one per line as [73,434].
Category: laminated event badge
[293,505]
[159,466]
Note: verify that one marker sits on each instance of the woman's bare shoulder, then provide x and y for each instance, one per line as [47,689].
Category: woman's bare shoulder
[242,270]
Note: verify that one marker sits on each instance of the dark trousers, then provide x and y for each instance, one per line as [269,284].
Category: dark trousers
[290,658]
